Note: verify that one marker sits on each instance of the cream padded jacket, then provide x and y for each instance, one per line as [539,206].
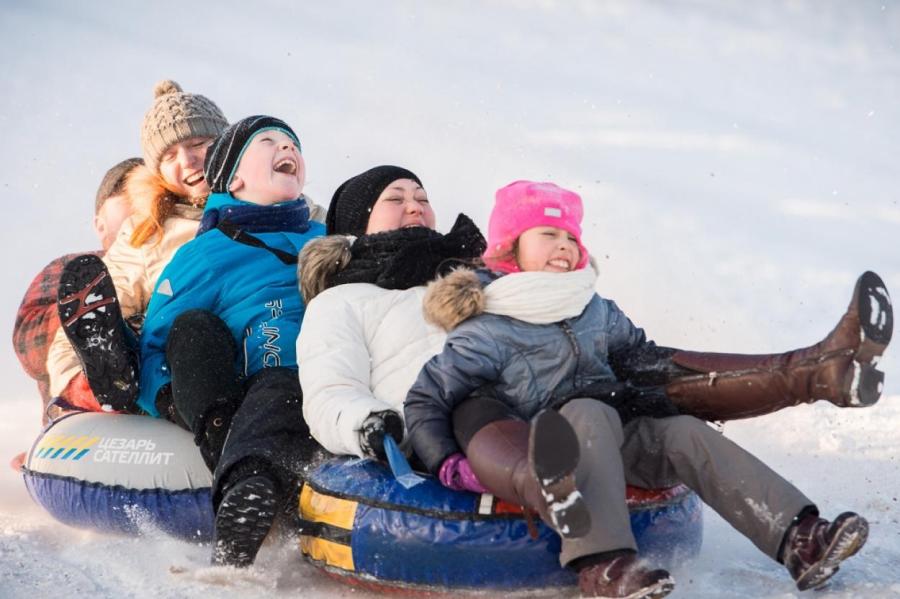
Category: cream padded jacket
[360,349]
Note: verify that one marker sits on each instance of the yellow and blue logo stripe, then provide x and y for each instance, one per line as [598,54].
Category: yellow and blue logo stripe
[64,447]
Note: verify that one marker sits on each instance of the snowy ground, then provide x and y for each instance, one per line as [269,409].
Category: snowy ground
[738,163]
[842,459]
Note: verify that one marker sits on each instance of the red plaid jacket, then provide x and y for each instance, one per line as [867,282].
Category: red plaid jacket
[37,322]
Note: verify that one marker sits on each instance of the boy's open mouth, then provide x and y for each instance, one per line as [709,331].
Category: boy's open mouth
[287,166]
[560,263]
[193,179]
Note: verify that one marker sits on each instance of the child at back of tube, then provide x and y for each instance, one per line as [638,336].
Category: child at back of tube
[526,373]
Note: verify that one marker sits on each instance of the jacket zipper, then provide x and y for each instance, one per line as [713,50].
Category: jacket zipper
[570,335]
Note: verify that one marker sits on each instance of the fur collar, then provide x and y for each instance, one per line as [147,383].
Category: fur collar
[535,297]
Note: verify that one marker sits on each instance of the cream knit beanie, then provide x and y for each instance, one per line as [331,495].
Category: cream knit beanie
[174,117]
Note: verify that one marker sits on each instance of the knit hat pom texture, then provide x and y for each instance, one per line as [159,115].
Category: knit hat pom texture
[174,117]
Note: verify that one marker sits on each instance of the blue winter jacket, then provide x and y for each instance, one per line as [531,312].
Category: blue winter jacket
[249,288]
[527,366]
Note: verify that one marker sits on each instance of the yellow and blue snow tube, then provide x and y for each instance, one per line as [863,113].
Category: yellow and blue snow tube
[120,473]
[360,525]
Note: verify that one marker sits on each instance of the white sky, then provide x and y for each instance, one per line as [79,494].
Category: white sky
[738,164]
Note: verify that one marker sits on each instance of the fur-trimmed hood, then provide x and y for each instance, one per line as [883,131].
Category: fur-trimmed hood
[454,298]
[319,261]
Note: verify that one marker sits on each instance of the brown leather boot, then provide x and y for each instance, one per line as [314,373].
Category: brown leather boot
[533,466]
[814,547]
[840,368]
[624,576]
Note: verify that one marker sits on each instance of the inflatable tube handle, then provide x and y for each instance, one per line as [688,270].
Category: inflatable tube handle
[401,469]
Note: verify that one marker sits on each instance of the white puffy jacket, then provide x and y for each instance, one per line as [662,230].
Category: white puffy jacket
[360,349]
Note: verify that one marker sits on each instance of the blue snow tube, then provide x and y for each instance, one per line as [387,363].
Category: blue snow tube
[361,526]
[121,473]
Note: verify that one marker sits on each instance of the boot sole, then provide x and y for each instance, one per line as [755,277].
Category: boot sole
[852,533]
[876,322]
[553,452]
[876,316]
[243,521]
[864,385]
[90,315]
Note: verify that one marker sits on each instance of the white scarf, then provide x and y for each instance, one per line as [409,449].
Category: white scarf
[541,297]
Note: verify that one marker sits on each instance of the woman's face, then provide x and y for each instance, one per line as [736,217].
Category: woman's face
[181,166]
[547,249]
[402,204]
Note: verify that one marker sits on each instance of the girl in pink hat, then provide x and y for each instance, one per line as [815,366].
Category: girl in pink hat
[549,396]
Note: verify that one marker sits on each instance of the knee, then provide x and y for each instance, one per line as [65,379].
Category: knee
[193,320]
[475,413]
[590,417]
[195,326]
[683,429]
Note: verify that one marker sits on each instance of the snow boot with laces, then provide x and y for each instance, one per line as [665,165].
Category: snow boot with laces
[90,315]
[841,368]
[624,576]
[533,466]
[814,547]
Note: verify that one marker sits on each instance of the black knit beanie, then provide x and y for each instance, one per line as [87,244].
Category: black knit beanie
[351,204]
[114,181]
[224,155]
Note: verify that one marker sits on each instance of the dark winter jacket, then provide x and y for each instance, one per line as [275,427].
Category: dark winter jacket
[528,366]
[254,292]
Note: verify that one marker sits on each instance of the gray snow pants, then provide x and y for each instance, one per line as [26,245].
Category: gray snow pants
[660,452]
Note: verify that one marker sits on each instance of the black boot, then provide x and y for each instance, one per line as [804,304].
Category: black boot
[250,502]
[90,315]
[205,391]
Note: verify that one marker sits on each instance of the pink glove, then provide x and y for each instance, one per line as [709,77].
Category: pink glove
[456,474]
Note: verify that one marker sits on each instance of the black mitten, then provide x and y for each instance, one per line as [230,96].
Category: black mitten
[373,430]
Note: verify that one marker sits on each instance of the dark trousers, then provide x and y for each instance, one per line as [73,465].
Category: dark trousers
[263,414]
[268,429]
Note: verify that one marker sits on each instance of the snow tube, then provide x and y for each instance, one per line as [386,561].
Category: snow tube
[123,473]
[359,525]
[118,473]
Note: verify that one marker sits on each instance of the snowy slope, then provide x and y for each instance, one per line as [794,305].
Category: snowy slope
[737,161]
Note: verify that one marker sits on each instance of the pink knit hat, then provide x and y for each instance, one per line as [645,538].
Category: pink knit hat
[523,205]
